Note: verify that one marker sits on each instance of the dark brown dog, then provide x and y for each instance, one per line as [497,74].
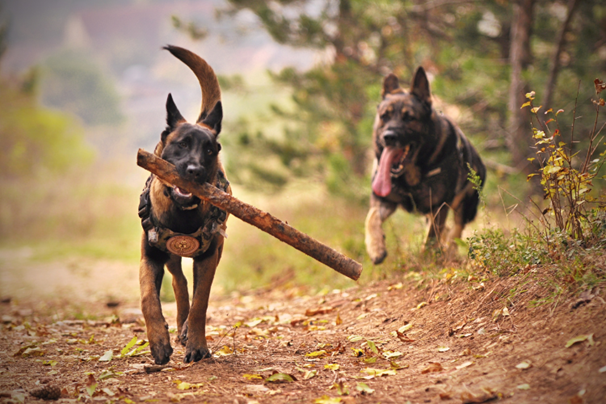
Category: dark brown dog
[177,224]
[422,163]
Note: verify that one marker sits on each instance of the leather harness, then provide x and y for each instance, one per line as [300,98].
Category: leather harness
[185,245]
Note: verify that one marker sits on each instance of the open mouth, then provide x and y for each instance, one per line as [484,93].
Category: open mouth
[185,200]
[181,193]
[397,166]
[391,164]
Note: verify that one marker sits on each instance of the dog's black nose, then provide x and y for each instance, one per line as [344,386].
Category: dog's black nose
[195,172]
[390,137]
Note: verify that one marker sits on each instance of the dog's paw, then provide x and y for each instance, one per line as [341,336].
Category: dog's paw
[195,354]
[182,337]
[161,352]
[378,259]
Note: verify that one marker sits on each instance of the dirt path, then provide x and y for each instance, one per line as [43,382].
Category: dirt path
[455,344]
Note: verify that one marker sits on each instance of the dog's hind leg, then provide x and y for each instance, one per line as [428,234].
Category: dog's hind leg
[465,207]
[375,237]
[204,273]
[151,271]
[437,223]
[181,295]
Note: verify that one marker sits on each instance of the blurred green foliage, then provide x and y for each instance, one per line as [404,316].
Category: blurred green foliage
[74,82]
[465,46]
[35,140]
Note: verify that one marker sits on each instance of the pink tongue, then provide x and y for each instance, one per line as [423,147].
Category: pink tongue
[381,185]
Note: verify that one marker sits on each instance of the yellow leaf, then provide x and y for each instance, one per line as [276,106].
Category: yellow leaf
[316,354]
[332,366]
[309,374]
[526,104]
[225,351]
[252,376]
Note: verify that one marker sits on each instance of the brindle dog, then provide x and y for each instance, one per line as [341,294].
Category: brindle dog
[177,224]
[421,165]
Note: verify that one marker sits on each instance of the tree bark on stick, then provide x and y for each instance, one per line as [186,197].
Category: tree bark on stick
[251,215]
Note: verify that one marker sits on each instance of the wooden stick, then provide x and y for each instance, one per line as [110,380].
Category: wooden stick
[251,215]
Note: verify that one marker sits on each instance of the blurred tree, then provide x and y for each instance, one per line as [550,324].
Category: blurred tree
[483,57]
[34,140]
[73,82]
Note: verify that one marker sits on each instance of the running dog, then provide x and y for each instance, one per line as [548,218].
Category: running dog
[422,164]
[178,224]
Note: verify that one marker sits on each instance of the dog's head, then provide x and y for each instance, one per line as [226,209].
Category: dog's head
[401,127]
[193,148]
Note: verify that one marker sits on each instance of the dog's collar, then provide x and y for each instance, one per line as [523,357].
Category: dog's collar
[184,245]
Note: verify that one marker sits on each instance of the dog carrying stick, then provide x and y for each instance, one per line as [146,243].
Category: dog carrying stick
[251,215]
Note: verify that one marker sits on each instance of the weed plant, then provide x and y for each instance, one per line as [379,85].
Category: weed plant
[568,233]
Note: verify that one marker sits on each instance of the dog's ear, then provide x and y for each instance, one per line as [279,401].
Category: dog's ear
[390,84]
[173,116]
[420,86]
[214,118]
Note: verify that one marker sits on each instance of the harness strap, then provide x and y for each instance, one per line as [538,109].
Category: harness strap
[184,245]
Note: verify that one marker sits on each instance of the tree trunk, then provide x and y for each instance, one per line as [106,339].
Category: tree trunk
[519,134]
[555,63]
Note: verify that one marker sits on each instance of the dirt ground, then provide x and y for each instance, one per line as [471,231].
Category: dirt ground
[409,339]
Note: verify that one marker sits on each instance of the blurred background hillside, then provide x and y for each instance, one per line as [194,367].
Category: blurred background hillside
[84,83]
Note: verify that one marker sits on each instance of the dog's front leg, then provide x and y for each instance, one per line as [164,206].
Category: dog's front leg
[151,271]
[375,237]
[204,273]
[181,294]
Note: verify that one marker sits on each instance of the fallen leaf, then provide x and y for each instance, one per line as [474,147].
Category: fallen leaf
[33,352]
[309,374]
[379,372]
[524,386]
[445,396]
[252,377]
[280,377]
[327,400]
[319,310]
[357,352]
[364,388]
[331,366]
[316,354]
[433,367]
[128,346]
[402,337]
[464,365]
[107,356]
[225,351]
[372,346]
[355,338]
[602,369]
[421,305]
[443,349]
[338,320]
[524,365]
[91,385]
[396,286]
[468,398]
[405,328]
[389,354]
[580,338]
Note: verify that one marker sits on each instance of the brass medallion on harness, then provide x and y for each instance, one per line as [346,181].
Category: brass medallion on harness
[184,246]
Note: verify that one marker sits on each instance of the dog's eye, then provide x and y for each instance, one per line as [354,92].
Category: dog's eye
[183,144]
[209,152]
[385,116]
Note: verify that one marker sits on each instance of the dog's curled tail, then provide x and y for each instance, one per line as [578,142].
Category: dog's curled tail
[211,92]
